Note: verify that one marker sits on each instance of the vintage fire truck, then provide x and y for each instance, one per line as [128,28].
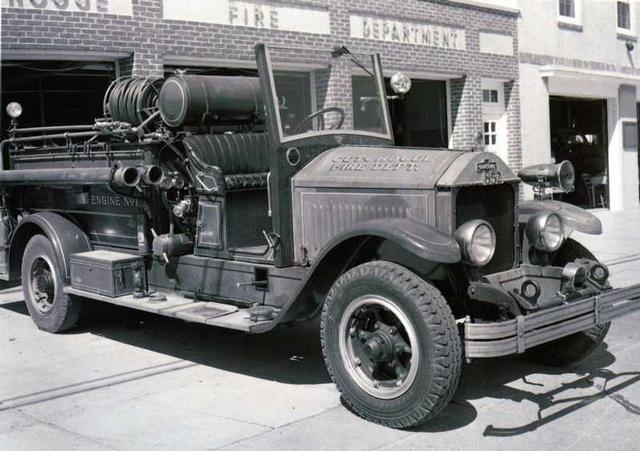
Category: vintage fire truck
[208,199]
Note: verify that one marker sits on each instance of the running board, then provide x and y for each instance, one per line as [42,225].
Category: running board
[180,307]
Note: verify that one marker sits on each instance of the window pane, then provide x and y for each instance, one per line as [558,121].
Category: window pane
[566,8]
[294,92]
[493,127]
[493,139]
[486,140]
[486,95]
[494,96]
[624,15]
[486,127]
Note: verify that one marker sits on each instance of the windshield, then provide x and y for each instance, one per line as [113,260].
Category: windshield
[336,92]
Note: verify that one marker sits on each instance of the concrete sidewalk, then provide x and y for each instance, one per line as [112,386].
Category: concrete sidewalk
[129,380]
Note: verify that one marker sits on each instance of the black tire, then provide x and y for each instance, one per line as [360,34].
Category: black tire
[42,284]
[439,348]
[576,347]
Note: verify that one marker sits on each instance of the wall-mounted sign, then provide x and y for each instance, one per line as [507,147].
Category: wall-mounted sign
[405,32]
[120,7]
[496,43]
[255,14]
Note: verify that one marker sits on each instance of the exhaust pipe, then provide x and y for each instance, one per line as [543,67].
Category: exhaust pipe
[151,175]
[126,177]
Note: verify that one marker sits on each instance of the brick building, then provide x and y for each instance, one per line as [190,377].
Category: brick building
[58,56]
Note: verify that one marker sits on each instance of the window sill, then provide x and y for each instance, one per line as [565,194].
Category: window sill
[627,35]
[570,26]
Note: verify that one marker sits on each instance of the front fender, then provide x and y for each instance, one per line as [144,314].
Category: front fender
[420,239]
[337,256]
[574,218]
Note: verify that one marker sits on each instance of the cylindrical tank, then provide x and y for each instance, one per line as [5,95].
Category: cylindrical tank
[210,100]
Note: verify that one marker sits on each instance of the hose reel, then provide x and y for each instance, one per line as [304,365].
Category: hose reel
[132,100]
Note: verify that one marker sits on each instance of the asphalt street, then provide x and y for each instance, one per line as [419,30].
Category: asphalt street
[129,380]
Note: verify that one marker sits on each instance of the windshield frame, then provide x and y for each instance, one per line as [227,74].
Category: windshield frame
[273,116]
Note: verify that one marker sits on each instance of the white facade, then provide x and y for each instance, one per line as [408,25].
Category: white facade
[575,49]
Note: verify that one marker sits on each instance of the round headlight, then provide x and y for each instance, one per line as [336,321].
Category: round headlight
[400,83]
[477,241]
[14,109]
[545,232]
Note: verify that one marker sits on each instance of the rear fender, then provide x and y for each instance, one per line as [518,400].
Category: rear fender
[65,236]
[574,218]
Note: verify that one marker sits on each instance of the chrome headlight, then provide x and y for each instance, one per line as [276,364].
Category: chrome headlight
[14,109]
[477,241]
[545,232]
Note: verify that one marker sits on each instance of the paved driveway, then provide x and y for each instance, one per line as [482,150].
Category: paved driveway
[129,380]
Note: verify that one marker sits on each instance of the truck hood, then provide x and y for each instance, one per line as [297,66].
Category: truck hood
[401,168]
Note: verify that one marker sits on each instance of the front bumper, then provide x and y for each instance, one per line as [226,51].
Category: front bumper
[526,331]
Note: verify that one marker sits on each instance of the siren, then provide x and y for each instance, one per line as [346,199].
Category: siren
[543,176]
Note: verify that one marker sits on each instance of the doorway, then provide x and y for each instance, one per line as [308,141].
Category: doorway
[419,118]
[494,118]
[55,92]
[579,134]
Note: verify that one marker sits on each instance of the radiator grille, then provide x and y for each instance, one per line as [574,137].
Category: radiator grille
[496,205]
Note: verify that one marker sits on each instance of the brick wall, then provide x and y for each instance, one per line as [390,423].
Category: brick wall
[149,38]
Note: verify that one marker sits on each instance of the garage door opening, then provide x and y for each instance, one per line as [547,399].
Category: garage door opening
[55,92]
[419,118]
[579,134]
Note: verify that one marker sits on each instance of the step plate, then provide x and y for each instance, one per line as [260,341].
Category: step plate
[176,306]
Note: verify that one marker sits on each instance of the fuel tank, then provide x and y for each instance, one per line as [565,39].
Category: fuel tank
[351,184]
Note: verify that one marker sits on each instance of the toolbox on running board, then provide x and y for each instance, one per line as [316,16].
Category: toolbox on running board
[108,273]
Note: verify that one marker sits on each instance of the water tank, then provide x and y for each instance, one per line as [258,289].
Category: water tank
[210,100]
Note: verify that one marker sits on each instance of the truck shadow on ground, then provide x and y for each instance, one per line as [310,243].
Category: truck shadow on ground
[292,355]
[591,382]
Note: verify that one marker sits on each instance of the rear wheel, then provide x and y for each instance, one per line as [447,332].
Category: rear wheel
[573,348]
[391,345]
[42,284]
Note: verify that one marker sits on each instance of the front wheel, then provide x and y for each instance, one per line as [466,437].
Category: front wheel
[42,283]
[391,344]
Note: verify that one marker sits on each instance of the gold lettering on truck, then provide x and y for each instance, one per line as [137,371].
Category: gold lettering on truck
[359,163]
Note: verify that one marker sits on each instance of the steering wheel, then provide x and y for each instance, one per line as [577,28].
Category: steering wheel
[319,114]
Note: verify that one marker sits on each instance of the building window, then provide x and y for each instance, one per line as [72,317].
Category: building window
[567,8]
[490,134]
[490,95]
[624,15]
[569,12]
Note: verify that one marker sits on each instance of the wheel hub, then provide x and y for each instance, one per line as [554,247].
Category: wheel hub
[377,343]
[380,347]
[44,283]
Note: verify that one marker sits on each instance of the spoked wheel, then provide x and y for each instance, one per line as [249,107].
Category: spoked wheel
[391,344]
[42,284]
[377,342]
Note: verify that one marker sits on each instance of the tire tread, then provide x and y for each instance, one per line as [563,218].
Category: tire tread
[438,318]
